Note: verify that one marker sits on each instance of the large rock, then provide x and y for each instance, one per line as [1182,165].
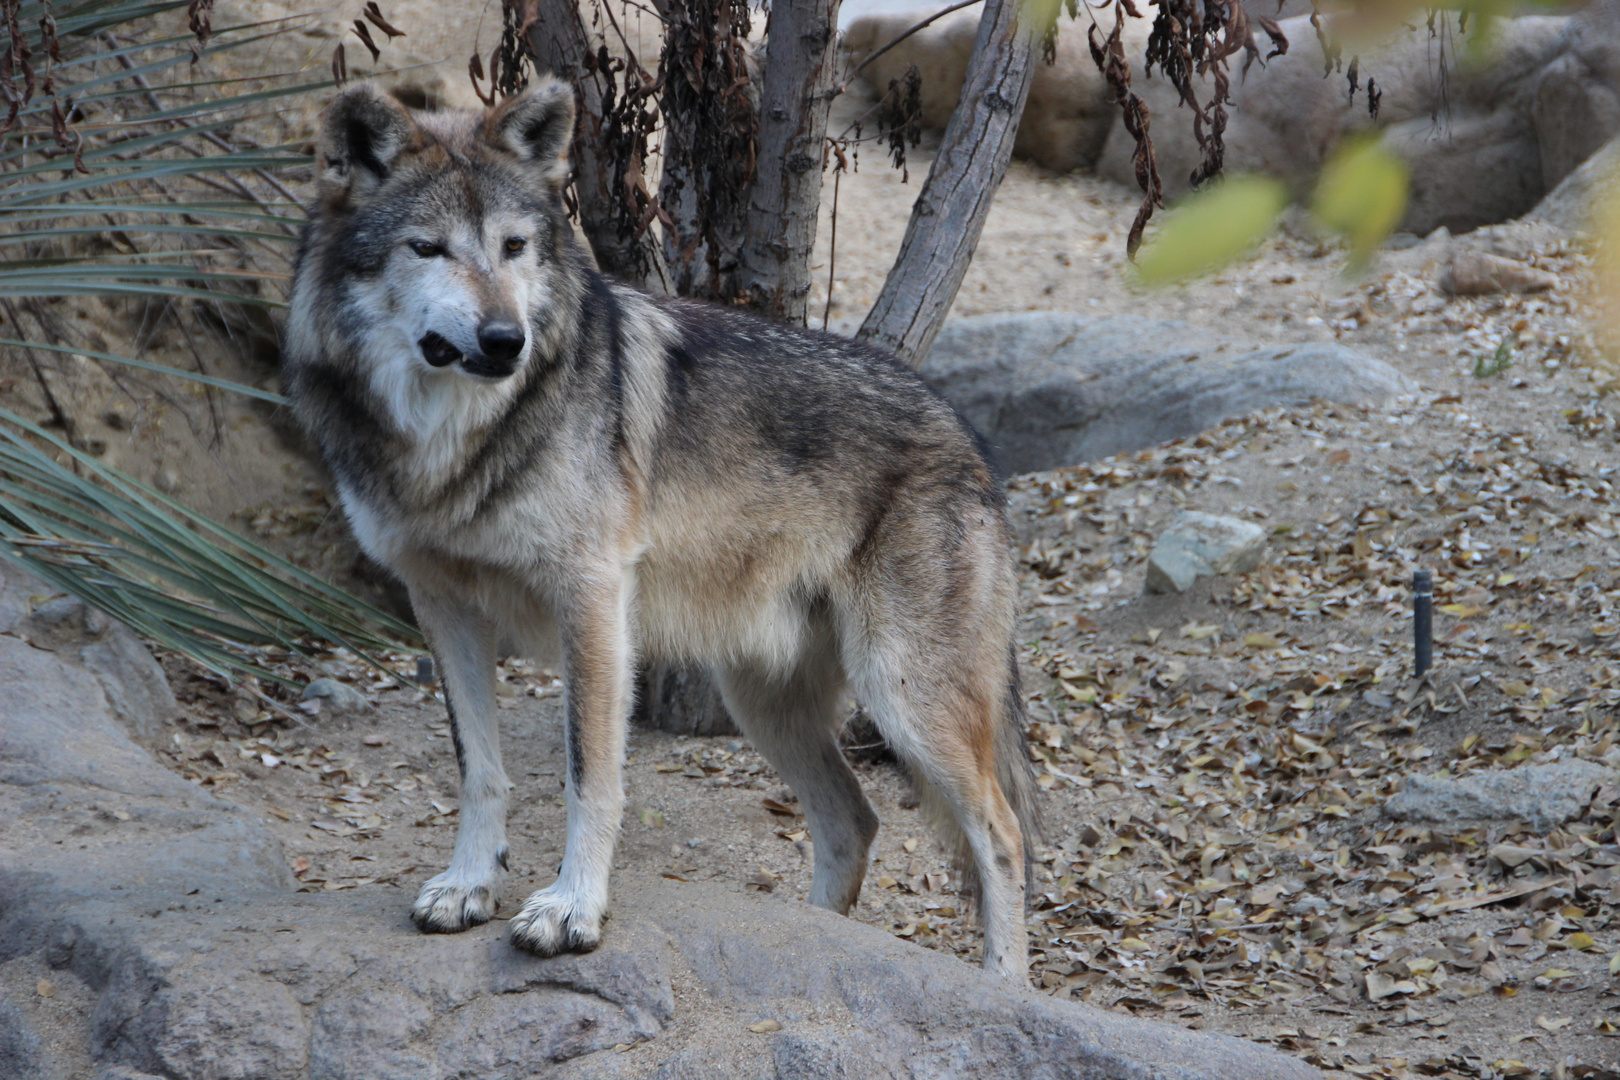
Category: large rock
[1486,133]
[49,619]
[1069,112]
[178,950]
[1468,132]
[1571,205]
[1199,545]
[1577,103]
[1051,388]
[1541,796]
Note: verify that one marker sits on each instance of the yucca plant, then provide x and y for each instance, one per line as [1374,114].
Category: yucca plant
[125,174]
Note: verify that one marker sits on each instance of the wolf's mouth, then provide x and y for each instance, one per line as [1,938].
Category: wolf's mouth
[437,351]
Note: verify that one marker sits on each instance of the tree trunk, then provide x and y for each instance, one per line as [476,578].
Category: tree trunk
[949,213]
[563,46]
[710,116]
[785,199]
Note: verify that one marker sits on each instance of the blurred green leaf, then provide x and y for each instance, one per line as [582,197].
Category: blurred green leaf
[1211,228]
[1362,195]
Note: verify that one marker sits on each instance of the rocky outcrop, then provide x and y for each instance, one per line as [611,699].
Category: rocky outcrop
[1049,388]
[1575,202]
[1541,796]
[1486,138]
[1066,119]
[164,924]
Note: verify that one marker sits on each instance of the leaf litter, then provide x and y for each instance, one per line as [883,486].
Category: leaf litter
[1214,764]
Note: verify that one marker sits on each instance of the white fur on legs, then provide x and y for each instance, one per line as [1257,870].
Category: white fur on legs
[467,893]
[1001,894]
[567,915]
[793,721]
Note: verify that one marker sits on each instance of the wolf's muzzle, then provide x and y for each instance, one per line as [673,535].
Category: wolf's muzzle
[437,351]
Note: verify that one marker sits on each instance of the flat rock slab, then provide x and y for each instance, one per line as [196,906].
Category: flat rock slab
[1050,388]
[175,937]
[1541,796]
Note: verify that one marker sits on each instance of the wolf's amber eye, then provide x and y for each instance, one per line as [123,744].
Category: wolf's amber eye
[515,245]
[425,249]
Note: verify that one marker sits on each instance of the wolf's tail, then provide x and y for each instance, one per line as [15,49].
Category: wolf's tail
[1014,770]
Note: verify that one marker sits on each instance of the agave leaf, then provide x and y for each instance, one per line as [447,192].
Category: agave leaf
[188,583]
[162,369]
[113,542]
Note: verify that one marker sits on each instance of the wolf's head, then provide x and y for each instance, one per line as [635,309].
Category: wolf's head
[444,228]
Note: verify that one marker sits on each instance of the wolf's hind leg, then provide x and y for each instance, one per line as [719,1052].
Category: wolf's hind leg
[793,720]
[942,715]
[464,643]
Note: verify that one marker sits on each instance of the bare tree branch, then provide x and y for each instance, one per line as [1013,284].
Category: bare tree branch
[786,194]
[950,211]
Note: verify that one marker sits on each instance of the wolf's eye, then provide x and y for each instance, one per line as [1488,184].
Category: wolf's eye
[515,245]
[426,249]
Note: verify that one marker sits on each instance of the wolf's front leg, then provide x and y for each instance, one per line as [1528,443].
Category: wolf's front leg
[463,641]
[567,915]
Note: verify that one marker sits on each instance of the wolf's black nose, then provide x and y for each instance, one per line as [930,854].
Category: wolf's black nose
[500,339]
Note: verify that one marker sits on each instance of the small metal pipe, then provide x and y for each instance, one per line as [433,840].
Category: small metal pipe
[1422,622]
[424,671]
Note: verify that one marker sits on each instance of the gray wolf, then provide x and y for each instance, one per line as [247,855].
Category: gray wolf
[539,452]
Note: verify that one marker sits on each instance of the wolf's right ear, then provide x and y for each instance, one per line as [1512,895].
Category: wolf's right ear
[537,126]
[362,135]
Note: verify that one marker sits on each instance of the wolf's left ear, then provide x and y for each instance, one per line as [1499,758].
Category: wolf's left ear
[537,126]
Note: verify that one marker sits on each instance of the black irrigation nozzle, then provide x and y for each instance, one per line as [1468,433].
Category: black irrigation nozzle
[1422,622]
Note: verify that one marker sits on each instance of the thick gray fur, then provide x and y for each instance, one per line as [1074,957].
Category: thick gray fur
[543,454]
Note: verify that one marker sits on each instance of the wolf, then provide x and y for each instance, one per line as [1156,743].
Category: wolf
[543,454]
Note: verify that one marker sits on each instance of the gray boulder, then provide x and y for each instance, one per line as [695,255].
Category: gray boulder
[172,922]
[336,698]
[1570,206]
[1067,116]
[1486,136]
[1541,796]
[1051,388]
[1469,132]
[46,618]
[1199,545]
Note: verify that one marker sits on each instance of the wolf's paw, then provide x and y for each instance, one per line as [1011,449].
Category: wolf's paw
[449,905]
[552,922]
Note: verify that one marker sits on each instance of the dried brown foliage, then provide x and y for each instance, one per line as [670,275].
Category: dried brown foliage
[16,59]
[900,116]
[710,140]
[1109,55]
[200,20]
[1190,40]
